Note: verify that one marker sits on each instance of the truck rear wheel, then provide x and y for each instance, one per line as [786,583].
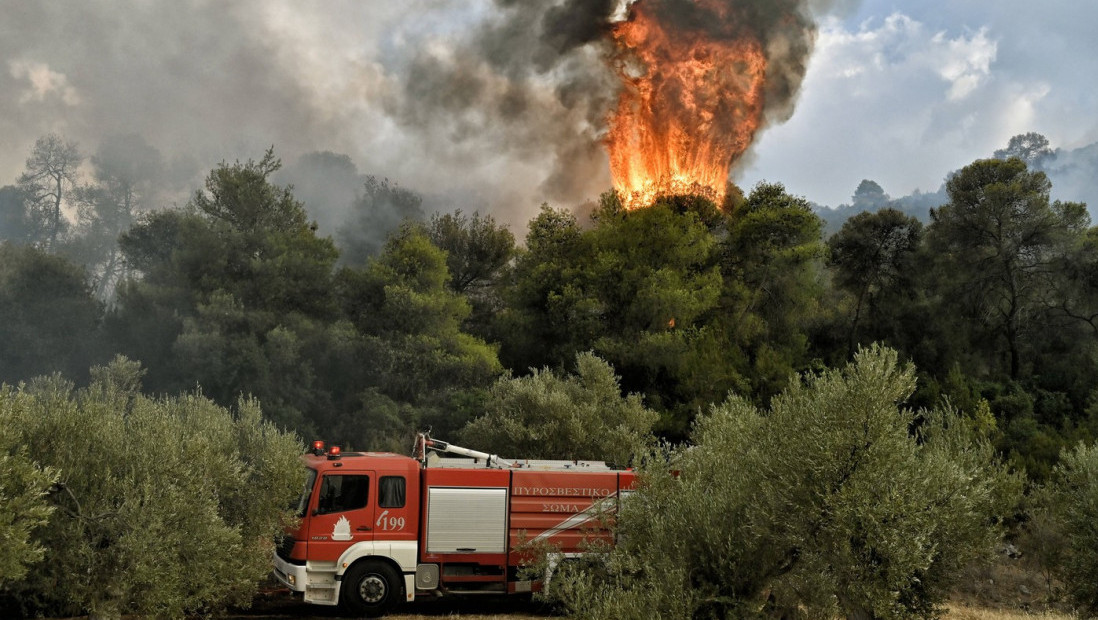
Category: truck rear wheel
[371,588]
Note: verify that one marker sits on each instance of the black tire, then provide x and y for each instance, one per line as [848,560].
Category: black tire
[371,588]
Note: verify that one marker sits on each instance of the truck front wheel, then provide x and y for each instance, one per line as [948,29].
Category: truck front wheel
[371,588]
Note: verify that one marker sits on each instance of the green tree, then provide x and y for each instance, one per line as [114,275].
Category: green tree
[685,301]
[379,211]
[51,175]
[1075,507]
[549,316]
[235,293]
[869,196]
[553,416]
[477,249]
[639,288]
[49,319]
[996,243]
[163,506]
[655,278]
[874,257]
[478,255]
[242,199]
[412,356]
[1078,285]
[771,265]
[1032,148]
[824,505]
[23,487]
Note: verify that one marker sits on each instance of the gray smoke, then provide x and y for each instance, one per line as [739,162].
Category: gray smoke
[536,81]
[1072,172]
[527,84]
[476,104]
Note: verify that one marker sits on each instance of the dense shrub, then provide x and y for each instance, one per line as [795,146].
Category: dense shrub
[1075,503]
[827,504]
[23,488]
[162,506]
[553,416]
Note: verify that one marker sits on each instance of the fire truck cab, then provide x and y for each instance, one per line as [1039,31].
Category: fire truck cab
[380,528]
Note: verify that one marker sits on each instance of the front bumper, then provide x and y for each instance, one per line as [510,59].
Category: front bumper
[319,585]
[291,575]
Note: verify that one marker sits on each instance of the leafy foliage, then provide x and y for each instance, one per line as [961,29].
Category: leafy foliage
[1076,509]
[381,209]
[125,171]
[874,258]
[826,504]
[770,263]
[478,257]
[997,239]
[162,507]
[1031,147]
[685,300]
[411,349]
[546,415]
[23,488]
[49,319]
[548,317]
[236,290]
[235,294]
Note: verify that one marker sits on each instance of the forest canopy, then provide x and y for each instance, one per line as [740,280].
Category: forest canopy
[593,333]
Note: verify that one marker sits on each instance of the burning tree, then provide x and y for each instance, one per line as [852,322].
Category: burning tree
[699,77]
[675,90]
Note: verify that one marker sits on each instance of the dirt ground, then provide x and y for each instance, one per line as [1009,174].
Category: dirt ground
[279,603]
[1009,589]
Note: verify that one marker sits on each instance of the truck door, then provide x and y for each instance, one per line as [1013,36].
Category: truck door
[396,517]
[343,514]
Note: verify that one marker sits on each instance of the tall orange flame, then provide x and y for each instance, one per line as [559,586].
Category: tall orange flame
[689,107]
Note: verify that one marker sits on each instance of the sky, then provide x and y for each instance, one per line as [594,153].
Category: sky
[903,92]
[457,100]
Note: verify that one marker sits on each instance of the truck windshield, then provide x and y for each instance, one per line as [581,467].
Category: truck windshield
[303,501]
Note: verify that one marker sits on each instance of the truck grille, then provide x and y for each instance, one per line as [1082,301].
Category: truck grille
[285,548]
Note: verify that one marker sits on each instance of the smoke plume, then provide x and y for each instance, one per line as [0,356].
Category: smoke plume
[496,105]
[538,81]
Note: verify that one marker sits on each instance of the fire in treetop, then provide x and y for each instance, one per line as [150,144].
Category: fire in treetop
[699,77]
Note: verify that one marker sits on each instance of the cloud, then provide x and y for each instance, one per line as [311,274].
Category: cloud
[899,102]
[905,96]
[964,62]
[901,92]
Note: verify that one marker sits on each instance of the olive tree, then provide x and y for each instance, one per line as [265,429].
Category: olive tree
[826,504]
[23,488]
[1075,506]
[554,415]
[163,506]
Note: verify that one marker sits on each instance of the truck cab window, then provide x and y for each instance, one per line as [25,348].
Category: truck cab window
[391,492]
[343,493]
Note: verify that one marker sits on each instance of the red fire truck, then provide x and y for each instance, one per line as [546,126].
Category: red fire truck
[380,528]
